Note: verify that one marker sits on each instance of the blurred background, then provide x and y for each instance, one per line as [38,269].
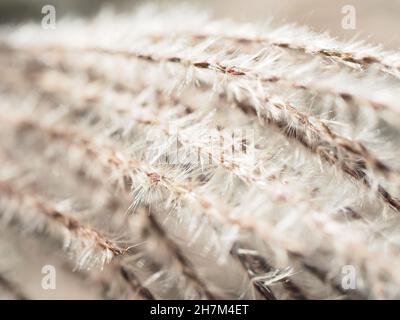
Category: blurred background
[378,21]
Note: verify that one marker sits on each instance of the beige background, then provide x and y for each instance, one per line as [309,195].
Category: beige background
[378,21]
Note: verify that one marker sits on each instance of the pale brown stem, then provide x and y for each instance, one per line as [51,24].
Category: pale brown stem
[154,229]
[61,218]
